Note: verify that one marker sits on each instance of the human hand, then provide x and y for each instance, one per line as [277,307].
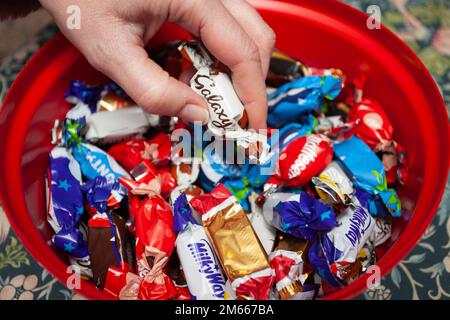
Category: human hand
[113,34]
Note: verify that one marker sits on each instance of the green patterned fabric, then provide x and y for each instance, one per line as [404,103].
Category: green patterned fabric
[425,274]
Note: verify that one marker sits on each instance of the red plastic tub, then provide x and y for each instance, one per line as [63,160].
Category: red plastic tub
[321,33]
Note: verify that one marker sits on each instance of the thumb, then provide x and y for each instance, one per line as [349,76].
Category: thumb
[150,86]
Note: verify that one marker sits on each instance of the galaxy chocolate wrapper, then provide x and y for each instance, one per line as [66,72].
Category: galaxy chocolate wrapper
[201,266]
[239,250]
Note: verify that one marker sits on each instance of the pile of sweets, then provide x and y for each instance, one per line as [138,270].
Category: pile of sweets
[142,221]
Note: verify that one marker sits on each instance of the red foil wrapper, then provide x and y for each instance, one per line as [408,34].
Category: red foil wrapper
[155,238]
[302,159]
[131,153]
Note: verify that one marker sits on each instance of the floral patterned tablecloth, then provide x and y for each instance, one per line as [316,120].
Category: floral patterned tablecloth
[425,274]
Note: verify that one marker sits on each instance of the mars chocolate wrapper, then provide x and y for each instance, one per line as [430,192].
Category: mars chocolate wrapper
[65,206]
[332,253]
[201,266]
[241,254]
[367,172]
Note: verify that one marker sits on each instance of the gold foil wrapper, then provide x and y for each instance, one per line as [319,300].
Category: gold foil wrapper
[290,290]
[112,101]
[235,242]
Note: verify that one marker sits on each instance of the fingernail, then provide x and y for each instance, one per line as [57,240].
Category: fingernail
[192,113]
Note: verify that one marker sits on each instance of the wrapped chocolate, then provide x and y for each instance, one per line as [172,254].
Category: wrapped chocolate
[112,101]
[78,91]
[108,239]
[226,111]
[377,131]
[333,185]
[235,242]
[301,96]
[302,216]
[367,173]
[131,153]
[291,269]
[200,264]
[301,159]
[155,238]
[266,233]
[65,208]
[332,255]
[117,125]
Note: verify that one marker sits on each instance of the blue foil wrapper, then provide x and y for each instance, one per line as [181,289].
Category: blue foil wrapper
[78,91]
[182,214]
[98,191]
[332,252]
[367,172]
[303,216]
[292,100]
[66,206]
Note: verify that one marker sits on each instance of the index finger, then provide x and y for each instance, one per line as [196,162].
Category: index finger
[228,42]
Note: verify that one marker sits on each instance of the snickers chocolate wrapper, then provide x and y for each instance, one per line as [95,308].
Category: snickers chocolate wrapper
[108,245]
[235,242]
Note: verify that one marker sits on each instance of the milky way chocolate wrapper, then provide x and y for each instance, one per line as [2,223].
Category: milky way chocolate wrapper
[333,254]
[291,269]
[241,254]
[201,267]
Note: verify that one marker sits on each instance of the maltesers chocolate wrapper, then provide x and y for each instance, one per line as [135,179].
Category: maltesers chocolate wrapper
[226,110]
[65,207]
[301,159]
[367,172]
[201,266]
[235,242]
[333,185]
[292,100]
[291,269]
[333,255]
